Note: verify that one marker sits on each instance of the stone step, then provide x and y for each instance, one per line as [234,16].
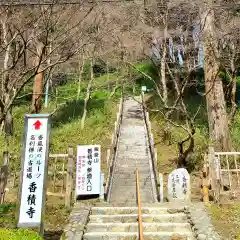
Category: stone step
[121,193]
[130,144]
[134,236]
[131,191]
[127,151]
[131,218]
[130,183]
[142,176]
[128,199]
[131,171]
[134,210]
[134,161]
[133,227]
[133,166]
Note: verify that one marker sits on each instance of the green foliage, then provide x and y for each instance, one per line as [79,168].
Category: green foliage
[66,120]
[18,234]
[8,224]
[100,68]
[7,215]
[148,69]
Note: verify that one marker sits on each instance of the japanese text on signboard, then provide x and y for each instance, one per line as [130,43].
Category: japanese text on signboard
[33,172]
[88,170]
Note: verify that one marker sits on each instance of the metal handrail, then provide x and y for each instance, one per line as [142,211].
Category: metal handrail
[140,228]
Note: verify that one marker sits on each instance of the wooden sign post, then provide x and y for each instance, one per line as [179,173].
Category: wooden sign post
[88,170]
[34,171]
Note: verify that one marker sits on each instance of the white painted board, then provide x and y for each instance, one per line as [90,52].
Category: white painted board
[88,170]
[33,167]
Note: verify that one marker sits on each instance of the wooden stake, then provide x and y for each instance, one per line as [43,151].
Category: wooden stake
[3,176]
[69,183]
[139,207]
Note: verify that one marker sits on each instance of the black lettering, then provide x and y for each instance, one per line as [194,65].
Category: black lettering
[89,188]
[29,175]
[40,137]
[30,162]
[31,199]
[32,187]
[32,137]
[89,176]
[39,149]
[30,212]
[31,149]
[89,162]
[89,151]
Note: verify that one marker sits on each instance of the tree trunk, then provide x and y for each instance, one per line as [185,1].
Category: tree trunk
[87,97]
[38,82]
[233,86]
[81,68]
[8,124]
[7,119]
[163,69]
[216,105]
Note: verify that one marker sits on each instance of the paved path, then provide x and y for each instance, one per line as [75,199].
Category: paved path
[119,219]
[166,221]
[133,152]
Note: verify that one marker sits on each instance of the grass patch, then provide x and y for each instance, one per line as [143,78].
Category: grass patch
[18,234]
[7,215]
[65,132]
[226,219]
[65,129]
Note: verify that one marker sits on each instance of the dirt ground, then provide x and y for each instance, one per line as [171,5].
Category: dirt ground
[226,219]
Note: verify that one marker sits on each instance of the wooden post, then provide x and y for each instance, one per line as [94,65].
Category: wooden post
[147,117]
[149,126]
[4,176]
[152,141]
[161,187]
[120,105]
[205,181]
[118,117]
[115,128]
[101,196]
[69,183]
[108,157]
[140,227]
[214,173]
[155,152]
[113,138]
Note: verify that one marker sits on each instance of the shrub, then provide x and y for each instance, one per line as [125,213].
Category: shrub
[18,234]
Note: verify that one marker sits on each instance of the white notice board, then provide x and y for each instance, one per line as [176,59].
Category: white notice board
[88,170]
[34,167]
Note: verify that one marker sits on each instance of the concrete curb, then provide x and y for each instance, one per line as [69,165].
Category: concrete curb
[74,230]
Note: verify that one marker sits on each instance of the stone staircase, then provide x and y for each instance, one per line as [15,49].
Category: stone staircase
[118,219]
[160,221]
[133,152]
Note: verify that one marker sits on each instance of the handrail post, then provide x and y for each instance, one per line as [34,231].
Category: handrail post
[3,176]
[139,207]
[69,182]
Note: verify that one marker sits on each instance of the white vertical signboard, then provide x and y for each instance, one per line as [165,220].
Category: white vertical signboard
[34,169]
[88,170]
